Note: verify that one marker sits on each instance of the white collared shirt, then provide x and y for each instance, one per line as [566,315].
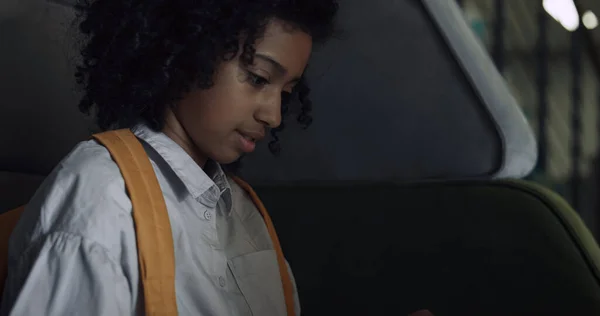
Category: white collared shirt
[74,250]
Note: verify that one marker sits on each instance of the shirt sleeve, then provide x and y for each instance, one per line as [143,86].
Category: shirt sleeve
[73,251]
[65,274]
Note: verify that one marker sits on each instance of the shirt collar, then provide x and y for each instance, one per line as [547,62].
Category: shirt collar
[206,185]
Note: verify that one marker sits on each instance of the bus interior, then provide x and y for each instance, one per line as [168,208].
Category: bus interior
[406,193]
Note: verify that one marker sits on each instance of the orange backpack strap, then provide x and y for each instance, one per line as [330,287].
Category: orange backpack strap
[288,287]
[156,254]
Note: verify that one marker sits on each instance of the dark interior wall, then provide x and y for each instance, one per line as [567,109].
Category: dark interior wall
[39,116]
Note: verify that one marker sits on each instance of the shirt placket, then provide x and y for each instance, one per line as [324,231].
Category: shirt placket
[212,197]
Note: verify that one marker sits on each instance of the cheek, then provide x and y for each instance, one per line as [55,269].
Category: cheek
[195,113]
[214,113]
[233,104]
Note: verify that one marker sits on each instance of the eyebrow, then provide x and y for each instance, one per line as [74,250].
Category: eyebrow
[279,67]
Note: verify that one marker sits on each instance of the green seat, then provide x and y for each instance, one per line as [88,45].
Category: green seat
[455,248]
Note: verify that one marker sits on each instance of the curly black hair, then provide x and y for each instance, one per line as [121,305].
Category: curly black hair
[142,56]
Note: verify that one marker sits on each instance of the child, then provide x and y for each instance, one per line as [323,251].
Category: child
[199,82]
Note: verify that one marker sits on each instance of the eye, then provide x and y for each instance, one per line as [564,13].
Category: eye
[256,80]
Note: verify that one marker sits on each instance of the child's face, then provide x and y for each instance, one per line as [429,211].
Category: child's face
[225,121]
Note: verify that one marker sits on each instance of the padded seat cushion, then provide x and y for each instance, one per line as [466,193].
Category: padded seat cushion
[462,248]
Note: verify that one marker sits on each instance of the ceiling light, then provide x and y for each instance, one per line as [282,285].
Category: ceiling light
[590,20]
[563,11]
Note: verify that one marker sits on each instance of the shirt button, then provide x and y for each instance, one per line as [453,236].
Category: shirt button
[207,215]
[222,281]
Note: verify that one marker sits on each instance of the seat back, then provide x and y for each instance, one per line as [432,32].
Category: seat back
[455,248]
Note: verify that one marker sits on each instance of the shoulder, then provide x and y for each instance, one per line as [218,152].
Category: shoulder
[88,158]
[84,178]
[84,196]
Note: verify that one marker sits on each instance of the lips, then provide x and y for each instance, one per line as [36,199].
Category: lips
[252,139]
[253,136]
[248,139]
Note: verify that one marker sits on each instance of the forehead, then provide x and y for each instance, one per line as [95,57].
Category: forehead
[289,46]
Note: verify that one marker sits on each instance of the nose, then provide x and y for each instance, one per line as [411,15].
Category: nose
[269,111]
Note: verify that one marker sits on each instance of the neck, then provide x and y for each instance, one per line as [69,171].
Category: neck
[174,130]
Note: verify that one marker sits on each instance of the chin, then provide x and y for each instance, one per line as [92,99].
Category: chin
[226,159]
